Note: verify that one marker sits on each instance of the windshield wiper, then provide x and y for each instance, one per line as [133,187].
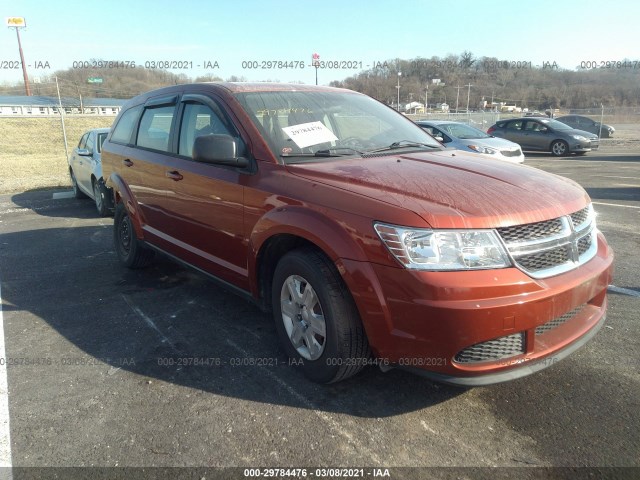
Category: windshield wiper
[327,152]
[402,144]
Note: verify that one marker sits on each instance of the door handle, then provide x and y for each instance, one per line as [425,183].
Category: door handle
[174,175]
[127,163]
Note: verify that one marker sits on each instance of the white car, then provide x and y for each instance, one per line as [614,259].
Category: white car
[469,139]
[85,169]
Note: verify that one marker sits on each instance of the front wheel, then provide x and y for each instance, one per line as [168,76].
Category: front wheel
[559,148]
[131,252]
[316,319]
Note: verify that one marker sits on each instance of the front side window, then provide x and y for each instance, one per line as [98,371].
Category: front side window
[155,127]
[309,125]
[198,120]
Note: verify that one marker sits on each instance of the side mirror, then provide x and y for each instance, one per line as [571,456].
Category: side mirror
[83,152]
[218,150]
[439,138]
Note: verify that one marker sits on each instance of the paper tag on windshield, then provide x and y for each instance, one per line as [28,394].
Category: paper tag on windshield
[307,134]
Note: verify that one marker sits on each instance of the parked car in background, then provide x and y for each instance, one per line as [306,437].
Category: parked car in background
[469,139]
[369,242]
[85,169]
[545,134]
[588,125]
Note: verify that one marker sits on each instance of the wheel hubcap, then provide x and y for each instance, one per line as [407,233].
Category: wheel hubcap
[303,317]
[97,194]
[125,235]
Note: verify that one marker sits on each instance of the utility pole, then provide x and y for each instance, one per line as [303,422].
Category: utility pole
[398,87]
[468,95]
[18,23]
[457,97]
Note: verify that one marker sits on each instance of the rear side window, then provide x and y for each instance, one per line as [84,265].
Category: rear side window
[515,125]
[155,127]
[90,143]
[124,129]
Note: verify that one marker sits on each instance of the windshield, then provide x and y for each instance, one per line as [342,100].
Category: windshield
[309,125]
[462,131]
[556,125]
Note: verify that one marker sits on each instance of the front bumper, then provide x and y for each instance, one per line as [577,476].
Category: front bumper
[589,145]
[439,323]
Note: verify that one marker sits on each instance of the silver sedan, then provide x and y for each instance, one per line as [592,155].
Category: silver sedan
[464,137]
[85,169]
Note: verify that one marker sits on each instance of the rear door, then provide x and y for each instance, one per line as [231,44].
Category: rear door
[513,132]
[535,135]
[147,160]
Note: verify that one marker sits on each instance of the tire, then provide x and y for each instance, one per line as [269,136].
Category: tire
[131,252]
[101,196]
[321,332]
[77,193]
[559,148]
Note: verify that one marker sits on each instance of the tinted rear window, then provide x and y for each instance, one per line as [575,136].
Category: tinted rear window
[127,123]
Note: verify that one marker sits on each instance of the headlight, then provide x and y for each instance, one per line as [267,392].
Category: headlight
[481,149]
[426,249]
[579,137]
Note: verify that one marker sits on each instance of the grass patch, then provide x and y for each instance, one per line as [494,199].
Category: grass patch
[32,150]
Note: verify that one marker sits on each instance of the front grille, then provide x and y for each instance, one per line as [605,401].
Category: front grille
[584,244]
[492,350]
[579,218]
[531,231]
[551,247]
[511,153]
[556,322]
[544,260]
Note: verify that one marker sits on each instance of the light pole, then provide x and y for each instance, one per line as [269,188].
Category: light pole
[315,61]
[18,23]
[398,87]
[426,100]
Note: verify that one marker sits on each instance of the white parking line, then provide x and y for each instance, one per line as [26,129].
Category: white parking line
[624,291]
[59,195]
[5,437]
[615,205]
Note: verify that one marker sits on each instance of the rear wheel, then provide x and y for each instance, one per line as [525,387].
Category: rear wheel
[131,252]
[559,148]
[316,319]
[101,197]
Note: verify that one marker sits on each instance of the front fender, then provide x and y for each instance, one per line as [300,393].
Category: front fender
[122,193]
[337,239]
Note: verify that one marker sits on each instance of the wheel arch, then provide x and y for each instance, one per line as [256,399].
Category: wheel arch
[282,231]
[122,193]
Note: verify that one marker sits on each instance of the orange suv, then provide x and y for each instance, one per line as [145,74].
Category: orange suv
[369,242]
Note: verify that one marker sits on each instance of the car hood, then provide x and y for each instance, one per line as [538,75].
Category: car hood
[584,133]
[449,189]
[494,142]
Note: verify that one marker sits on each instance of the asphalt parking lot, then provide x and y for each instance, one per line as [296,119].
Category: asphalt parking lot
[108,367]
